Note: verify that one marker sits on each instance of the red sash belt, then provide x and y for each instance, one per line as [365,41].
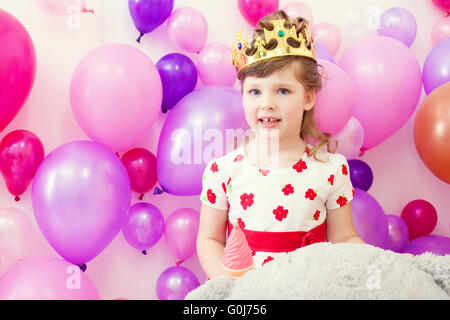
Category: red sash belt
[282,241]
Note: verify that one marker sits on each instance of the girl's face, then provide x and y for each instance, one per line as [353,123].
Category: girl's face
[280,98]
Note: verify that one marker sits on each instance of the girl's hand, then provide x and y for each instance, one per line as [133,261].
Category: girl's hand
[409,255]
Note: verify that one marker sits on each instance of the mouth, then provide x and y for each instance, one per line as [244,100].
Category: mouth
[269,122]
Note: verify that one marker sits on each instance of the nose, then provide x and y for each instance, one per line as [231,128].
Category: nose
[267,103]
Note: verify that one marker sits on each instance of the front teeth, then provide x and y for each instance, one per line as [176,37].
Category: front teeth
[269,121]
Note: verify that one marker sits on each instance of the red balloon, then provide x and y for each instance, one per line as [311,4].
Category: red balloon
[21,153]
[421,218]
[141,167]
[443,4]
[17,67]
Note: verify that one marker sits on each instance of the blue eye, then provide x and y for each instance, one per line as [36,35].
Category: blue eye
[286,91]
[254,90]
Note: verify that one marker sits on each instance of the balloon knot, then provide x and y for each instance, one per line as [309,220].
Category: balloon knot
[117,154]
[86,10]
[141,197]
[164,110]
[83,267]
[362,151]
[139,38]
[179,262]
[144,252]
[158,191]
[17,198]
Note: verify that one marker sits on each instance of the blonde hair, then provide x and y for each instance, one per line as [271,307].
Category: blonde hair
[307,74]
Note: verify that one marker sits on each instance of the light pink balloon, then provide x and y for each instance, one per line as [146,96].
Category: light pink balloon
[214,67]
[298,9]
[440,31]
[328,35]
[388,83]
[60,7]
[16,234]
[116,95]
[350,139]
[187,28]
[46,278]
[335,102]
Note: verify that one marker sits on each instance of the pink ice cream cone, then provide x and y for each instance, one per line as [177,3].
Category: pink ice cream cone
[237,256]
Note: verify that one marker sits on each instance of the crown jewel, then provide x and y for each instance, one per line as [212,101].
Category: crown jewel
[307,46]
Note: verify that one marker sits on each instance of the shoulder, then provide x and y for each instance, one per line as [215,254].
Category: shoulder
[223,161]
[328,160]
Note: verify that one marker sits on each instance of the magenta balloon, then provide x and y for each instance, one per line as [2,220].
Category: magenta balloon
[175,283]
[387,81]
[143,226]
[180,160]
[141,167]
[369,219]
[181,231]
[443,5]
[21,153]
[421,218]
[214,67]
[253,10]
[46,278]
[17,67]
[335,101]
[80,194]
[398,234]
[438,245]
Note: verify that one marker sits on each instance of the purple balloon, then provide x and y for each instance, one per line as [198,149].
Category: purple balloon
[322,53]
[149,14]
[369,219]
[400,24]
[178,76]
[360,174]
[398,233]
[143,226]
[438,245]
[175,283]
[181,231]
[436,69]
[80,194]
[204,112]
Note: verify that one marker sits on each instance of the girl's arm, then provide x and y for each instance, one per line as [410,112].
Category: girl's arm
[211,240]
[340,225]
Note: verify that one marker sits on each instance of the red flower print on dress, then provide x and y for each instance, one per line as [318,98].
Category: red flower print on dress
[269,258]
[353,192]
[300,166]
[224,187]
[341,201]
[214,167]
[310,194]
[344,170]
[264,172]
[331,179]
[246,200]
[241,223]
[307,150]
[211,196]
[316,215]
[287,189]
[280,213]
[239,157]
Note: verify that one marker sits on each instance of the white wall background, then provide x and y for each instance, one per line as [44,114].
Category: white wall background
[121,271]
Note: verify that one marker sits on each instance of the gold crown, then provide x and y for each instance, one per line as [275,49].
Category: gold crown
[307,46]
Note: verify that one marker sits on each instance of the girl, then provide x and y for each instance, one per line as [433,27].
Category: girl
[298,194]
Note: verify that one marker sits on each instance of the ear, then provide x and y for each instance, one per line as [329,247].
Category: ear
[310,100]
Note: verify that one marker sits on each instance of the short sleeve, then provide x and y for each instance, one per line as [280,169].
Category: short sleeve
[342,191]
[213,186]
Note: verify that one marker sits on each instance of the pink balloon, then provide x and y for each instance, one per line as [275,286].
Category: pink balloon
[443,5]
[187,28]
[335,101]
[421,218]
[141,167]
[214,67]
[388,83]
[116,95]
[440,31]
[16,236]
[61,7]
[328,35]
[21,153]
[298,9]
[46,278]
[350,139]
[17,67]
[253,10]
[181,231]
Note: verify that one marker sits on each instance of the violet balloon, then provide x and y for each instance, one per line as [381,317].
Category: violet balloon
[400,24]
[253,10]
[322,53]
[181,160]
[181,231]
[80,195]
[141,167]
[436,68]
[178,76]
[398,233]
[435,244]
[369,219]
[143,226]
[175,283]
[17,67]
[46,278]
[350,139]
[21,153]
[149,14]
[214,67]
[421,218]
[360,174]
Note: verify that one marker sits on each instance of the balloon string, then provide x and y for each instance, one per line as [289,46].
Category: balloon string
[139,38]
[179,262]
